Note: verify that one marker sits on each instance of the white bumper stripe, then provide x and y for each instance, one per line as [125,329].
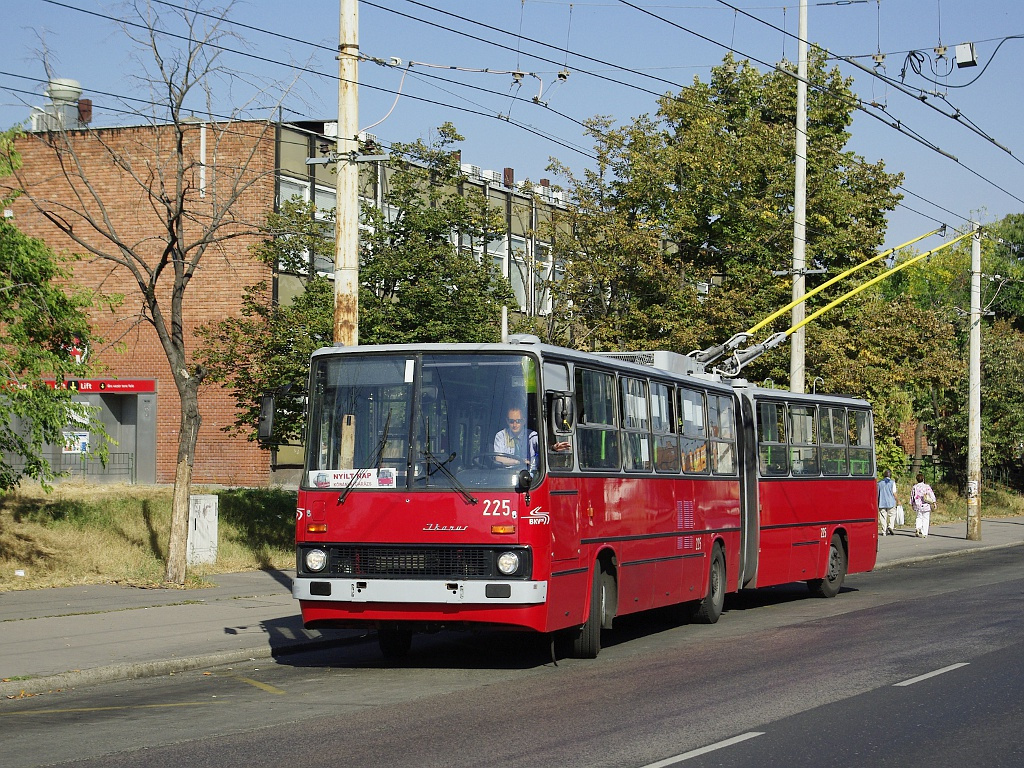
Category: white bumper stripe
[417,591]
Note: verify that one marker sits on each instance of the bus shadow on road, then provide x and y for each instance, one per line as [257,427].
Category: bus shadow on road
[481,649]
[639,625]
[446,649]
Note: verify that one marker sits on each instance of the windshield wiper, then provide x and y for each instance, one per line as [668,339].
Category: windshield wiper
[441,466]
[378,456]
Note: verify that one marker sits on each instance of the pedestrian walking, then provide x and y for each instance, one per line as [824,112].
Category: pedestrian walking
[922,500]
[886,503]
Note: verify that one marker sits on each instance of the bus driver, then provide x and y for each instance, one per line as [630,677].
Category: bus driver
[514,445]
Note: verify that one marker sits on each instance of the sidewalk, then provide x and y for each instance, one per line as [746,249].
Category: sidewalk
[60,638]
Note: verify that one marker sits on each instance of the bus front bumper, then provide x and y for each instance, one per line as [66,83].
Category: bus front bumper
[419,591]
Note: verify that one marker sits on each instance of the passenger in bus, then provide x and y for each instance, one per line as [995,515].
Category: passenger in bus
[516,446]
[886,503]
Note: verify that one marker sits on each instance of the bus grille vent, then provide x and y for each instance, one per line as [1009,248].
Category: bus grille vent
[397,562]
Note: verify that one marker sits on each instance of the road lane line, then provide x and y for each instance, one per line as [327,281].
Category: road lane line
[704,750]
[262,686]
[942,671]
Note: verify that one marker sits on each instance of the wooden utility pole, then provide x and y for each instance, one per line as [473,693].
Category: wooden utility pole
[346,227]
[797,345]
[974,396]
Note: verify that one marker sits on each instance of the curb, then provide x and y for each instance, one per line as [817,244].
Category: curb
[951,553]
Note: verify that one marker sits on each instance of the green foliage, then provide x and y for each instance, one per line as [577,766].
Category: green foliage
[1002,250]
[42,318]
[711,176]
[889,455]
[295,239]
[267,349]
[417,285]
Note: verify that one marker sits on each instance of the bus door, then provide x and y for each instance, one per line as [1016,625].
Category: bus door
[749,501]
[563,492]
[776,507]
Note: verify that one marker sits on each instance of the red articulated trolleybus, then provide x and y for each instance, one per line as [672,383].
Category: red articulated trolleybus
[526,486]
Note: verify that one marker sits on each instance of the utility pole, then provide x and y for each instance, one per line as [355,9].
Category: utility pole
[974,396]
[346,226]
[797,346]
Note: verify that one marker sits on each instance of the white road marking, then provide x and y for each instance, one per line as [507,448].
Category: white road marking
[919,678]
[704,750]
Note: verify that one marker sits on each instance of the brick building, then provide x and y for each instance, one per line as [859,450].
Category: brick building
[241,171]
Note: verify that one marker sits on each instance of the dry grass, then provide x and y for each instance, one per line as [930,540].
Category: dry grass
[952,507]
[89,534]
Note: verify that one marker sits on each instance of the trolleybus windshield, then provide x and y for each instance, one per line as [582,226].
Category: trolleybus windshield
[411,421]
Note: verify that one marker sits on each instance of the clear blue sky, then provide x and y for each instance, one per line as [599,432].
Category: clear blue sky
[618,58]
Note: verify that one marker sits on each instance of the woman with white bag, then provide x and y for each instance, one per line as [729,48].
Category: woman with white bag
[922,499]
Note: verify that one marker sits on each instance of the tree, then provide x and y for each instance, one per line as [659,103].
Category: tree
[43,319]
[941,287]
[417,284]
[187,207]
[688,212]
[268,346]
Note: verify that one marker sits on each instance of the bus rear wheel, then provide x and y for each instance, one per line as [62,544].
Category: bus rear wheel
[394,641]
[835,570]
[708,610]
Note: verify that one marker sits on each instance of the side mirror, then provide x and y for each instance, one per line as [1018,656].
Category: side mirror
[523,481]
[560,413]
[266,424]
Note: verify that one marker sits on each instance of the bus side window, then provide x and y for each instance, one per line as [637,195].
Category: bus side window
[597,433]
[771,439]
[803,440]
[860,431]
[636,439]
[694,432]
[666,443]
[722,426]
[832,435]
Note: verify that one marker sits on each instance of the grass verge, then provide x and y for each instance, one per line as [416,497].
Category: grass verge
[95,534]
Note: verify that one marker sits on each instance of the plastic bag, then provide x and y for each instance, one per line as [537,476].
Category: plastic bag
[900,515]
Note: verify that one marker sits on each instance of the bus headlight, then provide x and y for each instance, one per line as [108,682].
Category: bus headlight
[316,560]
[508,563]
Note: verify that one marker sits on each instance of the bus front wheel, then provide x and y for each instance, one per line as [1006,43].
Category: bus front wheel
[586,642]
[835,570]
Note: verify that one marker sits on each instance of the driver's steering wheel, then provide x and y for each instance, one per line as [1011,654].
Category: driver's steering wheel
[489,460]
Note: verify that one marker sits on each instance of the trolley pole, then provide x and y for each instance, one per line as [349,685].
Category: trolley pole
[346,226]
[974,396]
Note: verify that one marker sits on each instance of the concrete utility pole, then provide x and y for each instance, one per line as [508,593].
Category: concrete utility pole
[797,347]
[974,396]
[346,226]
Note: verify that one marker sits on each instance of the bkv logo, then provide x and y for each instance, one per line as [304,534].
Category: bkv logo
[537,517]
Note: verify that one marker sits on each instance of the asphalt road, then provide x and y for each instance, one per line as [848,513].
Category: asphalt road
[816,679]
